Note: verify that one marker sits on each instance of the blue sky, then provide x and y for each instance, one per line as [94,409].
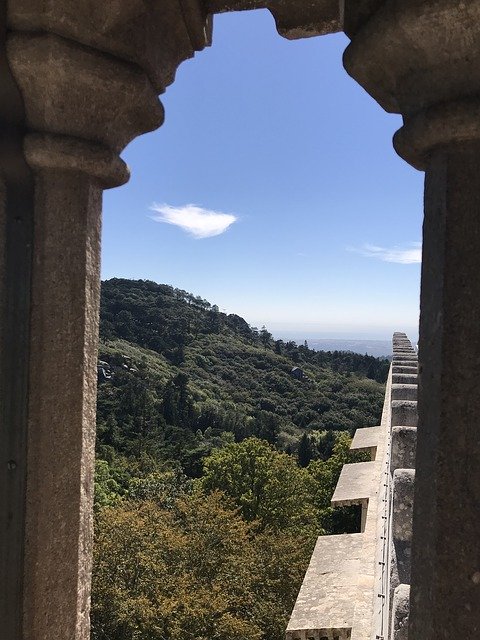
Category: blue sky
[320,221]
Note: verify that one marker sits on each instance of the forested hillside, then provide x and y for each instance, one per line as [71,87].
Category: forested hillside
[213,435]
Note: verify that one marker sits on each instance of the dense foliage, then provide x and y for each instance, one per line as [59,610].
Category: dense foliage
[192,571]
[196,377]
[219,557]
[215,465]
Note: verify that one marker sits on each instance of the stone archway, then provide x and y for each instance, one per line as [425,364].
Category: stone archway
[82,79]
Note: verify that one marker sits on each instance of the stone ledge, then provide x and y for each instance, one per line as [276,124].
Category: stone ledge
[402,356]
[366,439]
[405,363]
[326,603]
[357,483]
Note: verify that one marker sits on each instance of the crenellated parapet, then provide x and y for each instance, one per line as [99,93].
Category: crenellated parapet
[357,585]
[402,473]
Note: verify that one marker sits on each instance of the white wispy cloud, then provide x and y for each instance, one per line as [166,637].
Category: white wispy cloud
[410,254]
[195,220]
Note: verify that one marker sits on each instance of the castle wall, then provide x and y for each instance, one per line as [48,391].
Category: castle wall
[357,585]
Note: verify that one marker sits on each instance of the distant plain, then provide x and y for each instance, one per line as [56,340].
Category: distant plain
[377,348]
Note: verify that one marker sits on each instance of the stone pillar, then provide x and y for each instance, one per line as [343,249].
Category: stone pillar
[61,407]
[446,562]
[422,59]
[81,81]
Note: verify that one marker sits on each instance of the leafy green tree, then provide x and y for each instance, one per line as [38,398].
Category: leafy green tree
[192,569]
[323,442]
[279,347]
[171,574]
[107,489]
[267,486]
[325,474]
[266,426]
[110,432]
[162,487]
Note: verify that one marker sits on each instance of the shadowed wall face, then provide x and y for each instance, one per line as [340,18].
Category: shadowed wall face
[447,519]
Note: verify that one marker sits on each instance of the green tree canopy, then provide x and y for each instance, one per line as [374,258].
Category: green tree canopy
[194,570]
[266,485]
[325,474]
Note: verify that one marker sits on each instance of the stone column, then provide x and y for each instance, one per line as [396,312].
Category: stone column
[422,59]
[82,82]
[446,559]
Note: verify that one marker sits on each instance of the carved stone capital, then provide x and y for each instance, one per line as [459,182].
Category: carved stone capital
[155,36]
[440,125]
[90,74]
[422,60]
[48,151]
[79,94]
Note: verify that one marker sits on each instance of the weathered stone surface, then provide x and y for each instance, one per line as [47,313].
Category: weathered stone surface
[357,484]
[404,412]
[403,54]
[402,344]
[403,357]
[403,564]
[2,247]
[400,612]
[155,36]
[402,510]
[403,486]
[445,591]
[74,91]
[404,391]
[326,602]
[72,154]
[294,18]
[403,448]
[366,439]
[404,378]
[401,368]
[62,397]
[394,579]
[450,123]
[356,14]
[400,365]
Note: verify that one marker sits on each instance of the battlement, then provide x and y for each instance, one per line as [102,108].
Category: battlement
[357,585]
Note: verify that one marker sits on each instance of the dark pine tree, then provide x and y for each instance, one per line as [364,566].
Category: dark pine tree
[305,451]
